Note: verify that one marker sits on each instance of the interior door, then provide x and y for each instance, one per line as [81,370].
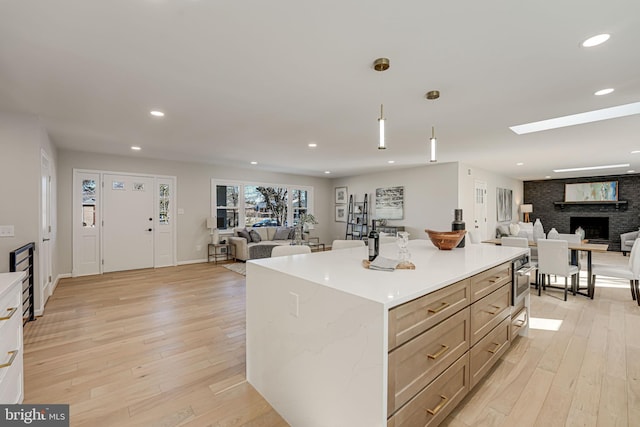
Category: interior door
[45,229]
[480,209]
[128,228]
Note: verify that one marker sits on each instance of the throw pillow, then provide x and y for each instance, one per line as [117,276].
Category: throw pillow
[282,233]
[292,233]
[255,237]
[244,233]
[514,229]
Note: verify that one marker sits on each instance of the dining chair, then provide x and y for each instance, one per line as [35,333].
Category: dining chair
[552,259]
[345,244]
[284,250]
[631,271]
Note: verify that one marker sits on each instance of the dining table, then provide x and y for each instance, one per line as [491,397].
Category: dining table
[575,248]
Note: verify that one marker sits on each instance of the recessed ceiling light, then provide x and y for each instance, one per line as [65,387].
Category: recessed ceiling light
[156,113]
[635,152]
[548,176]
[327,172]
[519,164]
[589,168]
[254,163]
[631,171]
[312,145]
[604,91]
[595,40]
[578,119]
[135,148]
[391,161]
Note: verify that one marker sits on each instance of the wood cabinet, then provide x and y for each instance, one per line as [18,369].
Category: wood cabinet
[11,370]
[442,344]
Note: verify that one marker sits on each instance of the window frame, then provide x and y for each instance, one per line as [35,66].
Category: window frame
[215,182]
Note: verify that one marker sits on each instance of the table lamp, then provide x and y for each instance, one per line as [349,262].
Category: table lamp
[213,226]
[526,210]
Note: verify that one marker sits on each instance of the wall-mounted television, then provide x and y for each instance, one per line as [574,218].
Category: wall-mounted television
[604,191]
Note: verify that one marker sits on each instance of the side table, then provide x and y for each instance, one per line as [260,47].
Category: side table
[314,244]
[226,250]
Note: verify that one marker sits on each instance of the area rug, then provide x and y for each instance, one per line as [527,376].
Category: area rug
[237,267]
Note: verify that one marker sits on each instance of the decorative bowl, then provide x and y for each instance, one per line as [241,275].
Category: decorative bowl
[445,240]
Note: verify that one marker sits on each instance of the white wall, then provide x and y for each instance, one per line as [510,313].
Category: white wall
[22,138]
[430,196]
[193,191]
[467,175]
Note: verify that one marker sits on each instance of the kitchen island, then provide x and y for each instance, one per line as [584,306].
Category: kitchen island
[330,343]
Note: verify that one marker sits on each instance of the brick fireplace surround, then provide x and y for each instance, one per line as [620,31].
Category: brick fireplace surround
[543,194]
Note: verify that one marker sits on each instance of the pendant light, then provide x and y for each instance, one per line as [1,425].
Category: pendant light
[381,64]
[433,145]
[433,142]
[381,120]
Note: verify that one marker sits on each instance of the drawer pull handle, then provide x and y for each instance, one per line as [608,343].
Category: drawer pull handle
[13,354]
[497,309]
[439,353]
[440,405]
[12,310]
[495,279]
[439,309]
[520,323]
[497,346]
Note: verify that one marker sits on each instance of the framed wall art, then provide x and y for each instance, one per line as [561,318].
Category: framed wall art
[390,203]
[604,191]
[341,195]
[504,204]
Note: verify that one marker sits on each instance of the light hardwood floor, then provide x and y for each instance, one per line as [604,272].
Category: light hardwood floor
[166,347]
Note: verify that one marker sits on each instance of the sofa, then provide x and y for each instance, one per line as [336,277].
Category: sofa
[627,240]
[247,246]
[524,229]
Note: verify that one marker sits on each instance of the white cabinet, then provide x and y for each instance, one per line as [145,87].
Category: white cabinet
[11,345]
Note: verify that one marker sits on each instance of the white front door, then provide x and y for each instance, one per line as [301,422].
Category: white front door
[86,223]
[128,228]
[45,230]
[480,209]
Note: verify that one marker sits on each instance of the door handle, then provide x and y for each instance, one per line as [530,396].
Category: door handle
[150,229]
[45,240]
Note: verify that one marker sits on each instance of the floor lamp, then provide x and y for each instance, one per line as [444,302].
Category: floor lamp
[526,210]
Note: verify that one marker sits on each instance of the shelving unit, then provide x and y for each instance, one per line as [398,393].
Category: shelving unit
[357,219]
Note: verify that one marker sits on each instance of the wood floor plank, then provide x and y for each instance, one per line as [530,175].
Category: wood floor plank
[166,347]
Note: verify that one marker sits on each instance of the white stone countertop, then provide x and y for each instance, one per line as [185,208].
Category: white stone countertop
[7,279]
[435,269]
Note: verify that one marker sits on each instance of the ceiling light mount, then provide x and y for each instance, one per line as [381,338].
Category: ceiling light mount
[381,64]
[432,94]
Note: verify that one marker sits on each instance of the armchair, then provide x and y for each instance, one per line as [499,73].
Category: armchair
[627,240]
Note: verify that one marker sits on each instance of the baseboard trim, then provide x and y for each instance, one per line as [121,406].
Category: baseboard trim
[192,261]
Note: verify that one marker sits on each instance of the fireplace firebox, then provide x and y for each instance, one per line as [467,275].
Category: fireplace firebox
[595,227]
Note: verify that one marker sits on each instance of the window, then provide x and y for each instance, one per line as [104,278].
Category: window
[227,206]
[88,203]
[164,204]
[238,204]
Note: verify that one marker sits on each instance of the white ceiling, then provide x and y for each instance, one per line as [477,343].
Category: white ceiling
[244,80]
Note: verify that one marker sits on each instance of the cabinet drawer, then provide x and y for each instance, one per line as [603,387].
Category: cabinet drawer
[11,383]
[410,319]
[415,364]
[518,321]
[488,312]
[484,283]
[436,401]
[10,307]
[487,352]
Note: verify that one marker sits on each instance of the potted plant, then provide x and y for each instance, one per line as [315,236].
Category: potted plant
[303,226]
